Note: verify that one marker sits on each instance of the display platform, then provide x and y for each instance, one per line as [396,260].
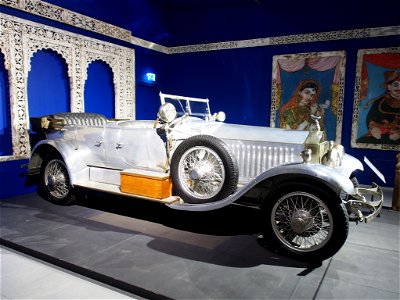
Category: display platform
[152,251]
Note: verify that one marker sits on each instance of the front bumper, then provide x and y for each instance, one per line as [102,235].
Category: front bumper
[366,204]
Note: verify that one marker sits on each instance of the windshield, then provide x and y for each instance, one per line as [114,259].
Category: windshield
[196,107]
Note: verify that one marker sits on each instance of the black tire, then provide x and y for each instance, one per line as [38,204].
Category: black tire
[55,184]
[203,170]
[305,222]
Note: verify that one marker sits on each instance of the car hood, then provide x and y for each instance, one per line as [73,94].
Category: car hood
[244,132]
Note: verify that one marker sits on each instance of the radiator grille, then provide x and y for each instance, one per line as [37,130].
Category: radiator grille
[256,157]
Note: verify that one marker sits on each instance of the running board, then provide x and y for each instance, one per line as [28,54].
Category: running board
[115,189]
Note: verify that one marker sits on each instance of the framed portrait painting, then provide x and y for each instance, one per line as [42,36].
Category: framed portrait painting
[305,85]
[376,114]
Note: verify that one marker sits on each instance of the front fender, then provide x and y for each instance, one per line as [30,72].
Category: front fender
[77,169]
[336,179]
[349,165]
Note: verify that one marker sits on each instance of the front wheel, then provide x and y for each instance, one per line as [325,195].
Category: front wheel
[305,222]
[55,184]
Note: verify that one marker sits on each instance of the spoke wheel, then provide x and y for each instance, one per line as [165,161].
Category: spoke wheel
[55,183]
[302,222]
[203,170]
[305,222]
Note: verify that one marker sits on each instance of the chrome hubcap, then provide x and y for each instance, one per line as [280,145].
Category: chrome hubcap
[51,181]
[301,221]
[201,172]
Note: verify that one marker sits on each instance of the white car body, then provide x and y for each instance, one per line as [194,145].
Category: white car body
[192,150]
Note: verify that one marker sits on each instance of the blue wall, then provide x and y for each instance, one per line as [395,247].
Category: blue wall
[147,93]
[13,179]
[236,81]
[99,89]
[239,83]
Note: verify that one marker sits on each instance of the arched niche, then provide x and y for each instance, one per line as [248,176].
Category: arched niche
[48,84]
[48,89]
[113,62]
[99,92]
[5,114]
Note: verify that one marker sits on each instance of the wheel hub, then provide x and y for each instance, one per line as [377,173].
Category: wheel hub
[51,181]
[195,174]
[200,171]
[301,221]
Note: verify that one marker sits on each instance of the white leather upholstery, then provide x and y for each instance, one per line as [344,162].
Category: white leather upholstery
[81,118]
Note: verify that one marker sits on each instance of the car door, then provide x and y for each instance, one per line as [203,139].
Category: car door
[91,140]
[135,148]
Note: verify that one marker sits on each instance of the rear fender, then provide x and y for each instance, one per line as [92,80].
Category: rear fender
[77,169]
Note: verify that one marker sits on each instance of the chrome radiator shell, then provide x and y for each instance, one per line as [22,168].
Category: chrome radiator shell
[256,157]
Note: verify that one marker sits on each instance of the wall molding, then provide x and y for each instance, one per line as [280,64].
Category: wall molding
[59,14]
[20,39]
[290,39]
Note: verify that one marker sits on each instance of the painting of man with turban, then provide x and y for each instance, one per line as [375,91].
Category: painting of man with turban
[379,104]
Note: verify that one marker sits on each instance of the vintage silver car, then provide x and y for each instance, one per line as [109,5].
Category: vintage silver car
[189,159]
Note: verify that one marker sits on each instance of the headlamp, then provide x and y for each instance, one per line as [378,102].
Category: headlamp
[167,112]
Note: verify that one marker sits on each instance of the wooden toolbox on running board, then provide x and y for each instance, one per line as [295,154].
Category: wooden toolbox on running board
[146,183]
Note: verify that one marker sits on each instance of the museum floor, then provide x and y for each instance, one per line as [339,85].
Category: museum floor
[108,247]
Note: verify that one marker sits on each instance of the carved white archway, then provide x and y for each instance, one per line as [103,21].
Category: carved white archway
[20,39]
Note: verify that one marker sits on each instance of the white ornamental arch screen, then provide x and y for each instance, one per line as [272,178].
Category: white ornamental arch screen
[5,49]
[20,39]
[11,47]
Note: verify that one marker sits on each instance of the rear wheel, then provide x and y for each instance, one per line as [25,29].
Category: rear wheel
[55,182]
[305,222]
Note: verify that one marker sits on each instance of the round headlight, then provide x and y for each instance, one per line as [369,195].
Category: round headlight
[221,116]
[167,112]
